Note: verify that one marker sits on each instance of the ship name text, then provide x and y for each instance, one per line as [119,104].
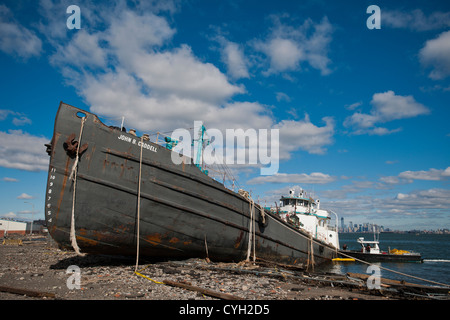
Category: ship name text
[137,142]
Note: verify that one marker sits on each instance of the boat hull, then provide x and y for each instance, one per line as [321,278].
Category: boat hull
[379,257]
[183,212]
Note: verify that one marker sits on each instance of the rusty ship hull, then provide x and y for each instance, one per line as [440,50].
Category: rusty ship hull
[183,212]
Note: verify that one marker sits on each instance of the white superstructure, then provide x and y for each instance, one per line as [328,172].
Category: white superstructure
[304,212]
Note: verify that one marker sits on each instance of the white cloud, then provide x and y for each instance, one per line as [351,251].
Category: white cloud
[9,215]
[16,39]
[19,150]
[423,204]
[7,179]
[138,73]
[422,199]
[284,54]
[20,119]
[353,106]
[83,51]
[386,107]
[4,113]
[232,54]
[415,19]
[154,89]
[431,174]
[287,47]
[180,73]
[25,196]
[281,96]
[313,178]
[409,176]
[132,35]
[436,54]
[235,60]
[304,135]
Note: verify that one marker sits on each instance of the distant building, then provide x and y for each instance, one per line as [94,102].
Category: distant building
[12,227]
[39,226]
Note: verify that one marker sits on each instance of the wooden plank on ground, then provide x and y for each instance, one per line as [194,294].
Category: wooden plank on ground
[207,292]
[26,292]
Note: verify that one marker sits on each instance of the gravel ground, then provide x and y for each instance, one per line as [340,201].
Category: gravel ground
[39,265]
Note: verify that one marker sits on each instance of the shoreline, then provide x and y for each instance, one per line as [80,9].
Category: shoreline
[38,266]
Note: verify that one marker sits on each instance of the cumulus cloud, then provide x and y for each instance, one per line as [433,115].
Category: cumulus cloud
[313,178]
[154,88]
[83,51]
[25,196]
[409,176]
[7,179]
[15,39]
[180,73]
[138,73]
[304,135]
[288,47]
[232,55]
[415,19]
[436,54]
[21,150]
[431,204]
[9,215]
[386,107]
[19,119]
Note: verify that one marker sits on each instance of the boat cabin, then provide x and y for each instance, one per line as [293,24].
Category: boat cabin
[369,246]
[304,212]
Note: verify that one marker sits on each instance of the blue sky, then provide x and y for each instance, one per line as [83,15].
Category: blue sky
[362,113]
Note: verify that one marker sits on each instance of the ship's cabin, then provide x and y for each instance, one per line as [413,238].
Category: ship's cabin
[294,202]
[304,212]
[369,246]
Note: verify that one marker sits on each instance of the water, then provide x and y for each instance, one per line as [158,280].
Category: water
[434,248]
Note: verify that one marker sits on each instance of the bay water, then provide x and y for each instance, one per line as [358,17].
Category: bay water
[434,248]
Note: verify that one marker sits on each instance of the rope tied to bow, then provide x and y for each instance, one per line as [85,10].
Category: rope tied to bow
[73,176]
[251,231]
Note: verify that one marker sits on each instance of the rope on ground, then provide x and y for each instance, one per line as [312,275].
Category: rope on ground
[73,175]
[145,277]
[139,207]
[398,272]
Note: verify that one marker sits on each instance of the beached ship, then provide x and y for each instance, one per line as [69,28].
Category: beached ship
[305,213]
[370,252]
[112,192]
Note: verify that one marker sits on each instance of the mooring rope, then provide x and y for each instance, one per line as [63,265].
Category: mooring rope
[73,175]
[310,253]
[139,207]
[251,231]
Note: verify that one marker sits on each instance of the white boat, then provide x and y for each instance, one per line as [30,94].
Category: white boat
[370,252]
[305,213]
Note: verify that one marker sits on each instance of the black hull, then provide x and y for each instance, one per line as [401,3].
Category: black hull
[182,210]
[371,257]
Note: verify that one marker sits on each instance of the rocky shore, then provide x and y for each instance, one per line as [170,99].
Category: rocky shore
[37,269]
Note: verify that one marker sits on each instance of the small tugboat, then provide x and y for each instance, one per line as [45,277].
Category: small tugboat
[370,252]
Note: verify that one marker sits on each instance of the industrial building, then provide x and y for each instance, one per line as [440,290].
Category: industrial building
[8,227]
